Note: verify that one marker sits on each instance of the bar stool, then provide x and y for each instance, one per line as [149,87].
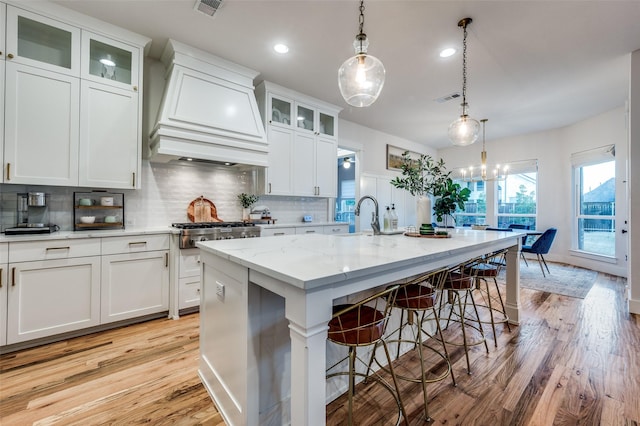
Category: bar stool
[418,297]
[484,269]
[460,282]
[364,324]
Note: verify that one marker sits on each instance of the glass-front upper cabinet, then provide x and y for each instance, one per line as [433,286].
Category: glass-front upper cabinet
[327,124]
[305,118]
[41,42]
[280,110]
[109,61]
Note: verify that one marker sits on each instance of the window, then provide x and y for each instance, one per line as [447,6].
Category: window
[595,194]
[475,209]
[517,196]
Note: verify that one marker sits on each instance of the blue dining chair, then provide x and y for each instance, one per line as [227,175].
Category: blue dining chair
[541,247]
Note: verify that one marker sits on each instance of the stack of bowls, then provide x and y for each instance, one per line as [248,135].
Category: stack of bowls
[427,229]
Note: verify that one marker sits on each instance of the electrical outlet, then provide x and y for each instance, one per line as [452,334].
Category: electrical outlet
[220,290]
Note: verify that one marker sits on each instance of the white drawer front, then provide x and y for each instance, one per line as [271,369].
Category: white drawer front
[189,292]
[277,231]
[4,253]
[135,244]
[336,229]
[27,251]
[189,261]
[309,230]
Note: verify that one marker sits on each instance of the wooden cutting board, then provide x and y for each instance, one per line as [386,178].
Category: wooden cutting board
[208,212]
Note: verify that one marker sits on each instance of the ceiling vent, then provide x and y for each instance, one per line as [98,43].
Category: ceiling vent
[208,7]
[449,97]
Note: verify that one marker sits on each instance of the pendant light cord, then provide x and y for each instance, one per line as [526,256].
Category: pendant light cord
[361,20]
[464,70]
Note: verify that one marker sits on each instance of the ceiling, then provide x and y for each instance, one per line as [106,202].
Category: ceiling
[532,65]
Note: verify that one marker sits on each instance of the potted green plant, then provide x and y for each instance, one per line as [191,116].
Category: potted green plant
[449,195]
[247,201]
[421,177]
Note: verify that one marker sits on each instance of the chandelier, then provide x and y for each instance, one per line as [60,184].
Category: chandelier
[481,174]
[361,77]
[465,130]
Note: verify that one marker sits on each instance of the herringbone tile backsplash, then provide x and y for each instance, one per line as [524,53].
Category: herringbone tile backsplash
[167,190]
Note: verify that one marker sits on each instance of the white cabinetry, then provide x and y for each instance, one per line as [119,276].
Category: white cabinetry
[4,259]
[3,17]
[302,133]
[386,194]
[302,230]
[189,278]
[337,228]
[41,126]
[135,276]
[85,101]
[53,287]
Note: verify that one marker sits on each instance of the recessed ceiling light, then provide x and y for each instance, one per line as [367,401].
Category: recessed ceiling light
[281,48]
[445,53]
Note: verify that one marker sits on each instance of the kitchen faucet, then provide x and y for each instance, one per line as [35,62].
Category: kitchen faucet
[375,223]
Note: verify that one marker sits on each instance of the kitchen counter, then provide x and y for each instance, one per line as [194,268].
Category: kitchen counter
[66,235]
[268,300]
[299,224]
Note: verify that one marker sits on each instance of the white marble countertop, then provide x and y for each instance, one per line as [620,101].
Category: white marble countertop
[66,235]
[308,261]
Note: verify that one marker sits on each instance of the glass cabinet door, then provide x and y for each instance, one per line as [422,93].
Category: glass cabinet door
[109,61]
[280,110]
[42,42]
[305,118]
[326,124]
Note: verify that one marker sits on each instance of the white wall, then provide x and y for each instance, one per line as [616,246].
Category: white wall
[553,150]
[634,184]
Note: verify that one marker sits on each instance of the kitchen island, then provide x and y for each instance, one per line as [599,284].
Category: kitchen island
[255,291]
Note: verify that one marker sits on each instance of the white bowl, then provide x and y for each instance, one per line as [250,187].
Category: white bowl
[106,201]
[87,219]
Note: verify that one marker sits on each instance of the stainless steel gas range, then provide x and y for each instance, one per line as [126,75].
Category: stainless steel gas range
[185,259]
[191,233]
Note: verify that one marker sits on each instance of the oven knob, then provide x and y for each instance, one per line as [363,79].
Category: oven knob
[203,238]
[192,243]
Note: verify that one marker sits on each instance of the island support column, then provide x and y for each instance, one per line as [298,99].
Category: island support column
[513,284]
[308,316]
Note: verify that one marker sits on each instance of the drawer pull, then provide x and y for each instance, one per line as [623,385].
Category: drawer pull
[13,277]
[278,233]
[58,248]
[138,243]
[310,232]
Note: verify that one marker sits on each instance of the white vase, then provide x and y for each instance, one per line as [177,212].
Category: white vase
[245,213]
[423,212]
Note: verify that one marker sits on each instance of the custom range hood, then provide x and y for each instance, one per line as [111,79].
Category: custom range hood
[208,111]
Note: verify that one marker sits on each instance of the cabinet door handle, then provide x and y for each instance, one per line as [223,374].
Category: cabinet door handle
[269,187]
[58,248]
[8,171]
[1,270]
[13,276]
[135,88]
[166,260]
[137,243]
[133,180]
[10,56]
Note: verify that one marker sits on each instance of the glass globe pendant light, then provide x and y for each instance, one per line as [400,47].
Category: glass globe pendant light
[361,77]
[465,130]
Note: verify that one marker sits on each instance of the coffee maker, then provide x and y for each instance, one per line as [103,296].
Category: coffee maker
[32,215]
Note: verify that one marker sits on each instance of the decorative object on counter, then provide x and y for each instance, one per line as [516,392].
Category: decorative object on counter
[421,177]
[449,195]
[98,210]
[361,77]
[202,210]
[465,130]
[247,201]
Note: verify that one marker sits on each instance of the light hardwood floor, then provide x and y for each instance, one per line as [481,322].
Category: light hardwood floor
[571,361]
